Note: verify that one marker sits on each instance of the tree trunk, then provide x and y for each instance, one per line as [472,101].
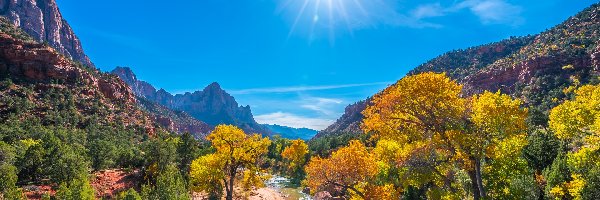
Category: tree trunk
[541,192]
[229,191]
[474,187]
[479,179]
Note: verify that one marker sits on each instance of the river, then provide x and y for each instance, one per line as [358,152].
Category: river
[282,185]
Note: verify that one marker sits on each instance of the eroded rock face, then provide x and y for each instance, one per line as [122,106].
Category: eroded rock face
[505,78]
[42,20]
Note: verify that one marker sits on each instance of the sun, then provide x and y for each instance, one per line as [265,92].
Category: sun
[328,16]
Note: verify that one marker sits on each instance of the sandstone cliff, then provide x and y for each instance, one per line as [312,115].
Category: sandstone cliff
[42,20]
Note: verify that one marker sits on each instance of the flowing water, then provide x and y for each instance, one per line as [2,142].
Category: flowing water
[283,185]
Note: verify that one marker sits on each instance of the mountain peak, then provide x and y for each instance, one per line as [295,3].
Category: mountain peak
[125,73]
[213,86]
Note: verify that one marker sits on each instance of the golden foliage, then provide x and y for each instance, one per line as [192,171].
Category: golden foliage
[427,128]
[295,154]
[577,121]
[347,167]
[234,151]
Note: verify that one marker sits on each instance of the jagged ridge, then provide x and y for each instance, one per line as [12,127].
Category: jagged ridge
[212,105]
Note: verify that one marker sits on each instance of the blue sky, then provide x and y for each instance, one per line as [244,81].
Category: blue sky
[295,62]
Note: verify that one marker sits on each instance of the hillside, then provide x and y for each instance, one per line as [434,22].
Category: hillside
[534,68]
[42,86]
[291,133]
[213,105]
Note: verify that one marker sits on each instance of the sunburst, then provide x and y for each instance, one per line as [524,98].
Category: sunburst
[313,16]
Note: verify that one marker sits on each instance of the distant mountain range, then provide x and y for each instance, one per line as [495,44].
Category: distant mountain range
[534,68]
[291,133]
[212,105]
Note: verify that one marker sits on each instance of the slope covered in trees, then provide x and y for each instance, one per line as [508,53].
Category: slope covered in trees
[534,68]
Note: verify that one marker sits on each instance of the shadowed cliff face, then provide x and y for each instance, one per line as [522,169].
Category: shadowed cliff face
[42,20]
[212,105]
[535,68]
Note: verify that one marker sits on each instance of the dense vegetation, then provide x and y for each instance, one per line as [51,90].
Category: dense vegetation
[433,143]
[425,136]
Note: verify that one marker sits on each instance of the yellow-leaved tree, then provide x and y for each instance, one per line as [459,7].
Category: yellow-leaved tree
[436,130]
[295,155]
[235,150]
[577,122]
[348,168]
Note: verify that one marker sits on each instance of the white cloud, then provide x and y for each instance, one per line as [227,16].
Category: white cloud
[292,120]
[300,88]
[493,11]
[488,12]
[428,10]
[325,106]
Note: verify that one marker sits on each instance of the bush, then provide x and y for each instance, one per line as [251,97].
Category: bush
[169,186]
[77,189]
[130,194]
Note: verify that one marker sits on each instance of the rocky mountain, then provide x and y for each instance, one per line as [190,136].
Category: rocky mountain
[176,121]
[534,68]
[42,20]
[41,86]
[291,133]
[212,105]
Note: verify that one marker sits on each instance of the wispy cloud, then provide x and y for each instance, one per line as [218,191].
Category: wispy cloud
[488,12]
[301,88]
[325,106]
[493,11]
[292,120]
[428,10]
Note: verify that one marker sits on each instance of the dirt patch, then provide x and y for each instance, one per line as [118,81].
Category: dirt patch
[109,183]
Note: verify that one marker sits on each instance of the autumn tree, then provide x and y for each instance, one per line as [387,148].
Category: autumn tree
[234,151]
[439,130]
[295,155]
[577,122]
[347,167]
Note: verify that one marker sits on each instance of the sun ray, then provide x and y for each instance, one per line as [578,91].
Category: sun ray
[331,22]
[345,16]
[298,17]
[314,20]
[325,16]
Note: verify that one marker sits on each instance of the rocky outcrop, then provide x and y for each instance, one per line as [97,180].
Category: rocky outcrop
[34,62]
[42,20]
[212,105]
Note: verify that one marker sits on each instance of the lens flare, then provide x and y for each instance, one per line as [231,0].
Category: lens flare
[317,17]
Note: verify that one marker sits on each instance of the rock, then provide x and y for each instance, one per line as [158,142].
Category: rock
[42,20]
[323,195]
[306,190]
